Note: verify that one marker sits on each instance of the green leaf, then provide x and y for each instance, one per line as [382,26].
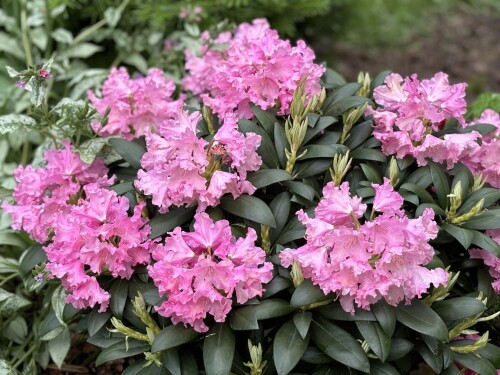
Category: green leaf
[173,336]
[379,368]
[346,103]
[170,360]
[485,242]
[266,177]
[419,191]
[97,320]
[304,190]
[6,368]
[247,317]
[399,348]
[339,344]
[423,319]
[489,219]
[123,188]
[280,143]
[218,350]
[249,207]
[344,91]
[58,302]
[266,149]
[315,356]
[266,119]
[359,133]
[112,16]
[322,123]
[464,176]
[490,196]
[188,363]
[138,61]
[277,284]
[386,316]
[306,294]
[368,154]
[374,335]
[8,265]
[61,35]
[59,347]
[458,308]
[81,51]
[119,295]
[88,150]
[31,257]
[331,79]
[433,359]
[491,353]
[379,79]
[129,151]
[10,45]
[336,312]
[11,123]
[475,363]
[280,207]
[421,177]
[163,223]
[371,173]
[288,348]
[437,210]
[16,330]
[309,168]
[462,235]
[302,322]
[323,151]
[441,184]
[122,350]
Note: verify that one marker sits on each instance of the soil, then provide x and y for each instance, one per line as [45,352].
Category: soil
[463,43]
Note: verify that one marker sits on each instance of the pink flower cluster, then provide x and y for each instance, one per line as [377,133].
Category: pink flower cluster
[485,159]
[41,194]
[88,226]
[200,271]
[489,259]
[135,104]
[97,236]
[411,110]
[257,67]
[382,258]
[179,168]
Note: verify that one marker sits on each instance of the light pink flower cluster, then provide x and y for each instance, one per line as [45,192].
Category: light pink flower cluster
[382,258]
[256,67]
[411,110]
[200,272]
[489,259]
[97,236]
[135,104]
[41,194]
[486,159]
[179,168]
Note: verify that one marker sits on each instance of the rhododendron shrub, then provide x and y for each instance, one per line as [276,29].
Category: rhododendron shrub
[268,221]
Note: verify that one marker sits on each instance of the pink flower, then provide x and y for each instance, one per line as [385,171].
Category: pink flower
[257,67]
[200,272]
[21,84]
[411,110]
[44,73]
[135,105]
[362,263]
[180,169]
[489,259]
[99,236]
[41,194]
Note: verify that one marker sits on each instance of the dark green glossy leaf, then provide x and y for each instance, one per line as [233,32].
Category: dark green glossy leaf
[280,143]
[441,184]
[315,356]
[249,207]
[119,295]
[280,207]
[359,133]
[481,128]
[311,167]
[423,319]
[266,119]
[218,350]
[276,285]
[342,105]
[458,308]
[451,370]
[97,320]
[302,322]
[399,348]
[188,363]
[119,351]
[371,173]
[491,353]
[322,123]
[419,191]
[332,79]
[339,344]
[302,189]
[328,138]
[464,176]
[335,312]
[266,149]
[59,347]
[173,336]
[386,316]
[247,317]
[170,360]
[164,223]
[368,154]
[437,210]
[266,177]
[489,219]
[123,188]
[421,177]
[473,362]
[490,196]
[379,79]
[306,294]
[485,242]
[31,257]
[129,151]
[323,151]
[433,359]
[374,335]
[288,348]
[379,368]
[462,235]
